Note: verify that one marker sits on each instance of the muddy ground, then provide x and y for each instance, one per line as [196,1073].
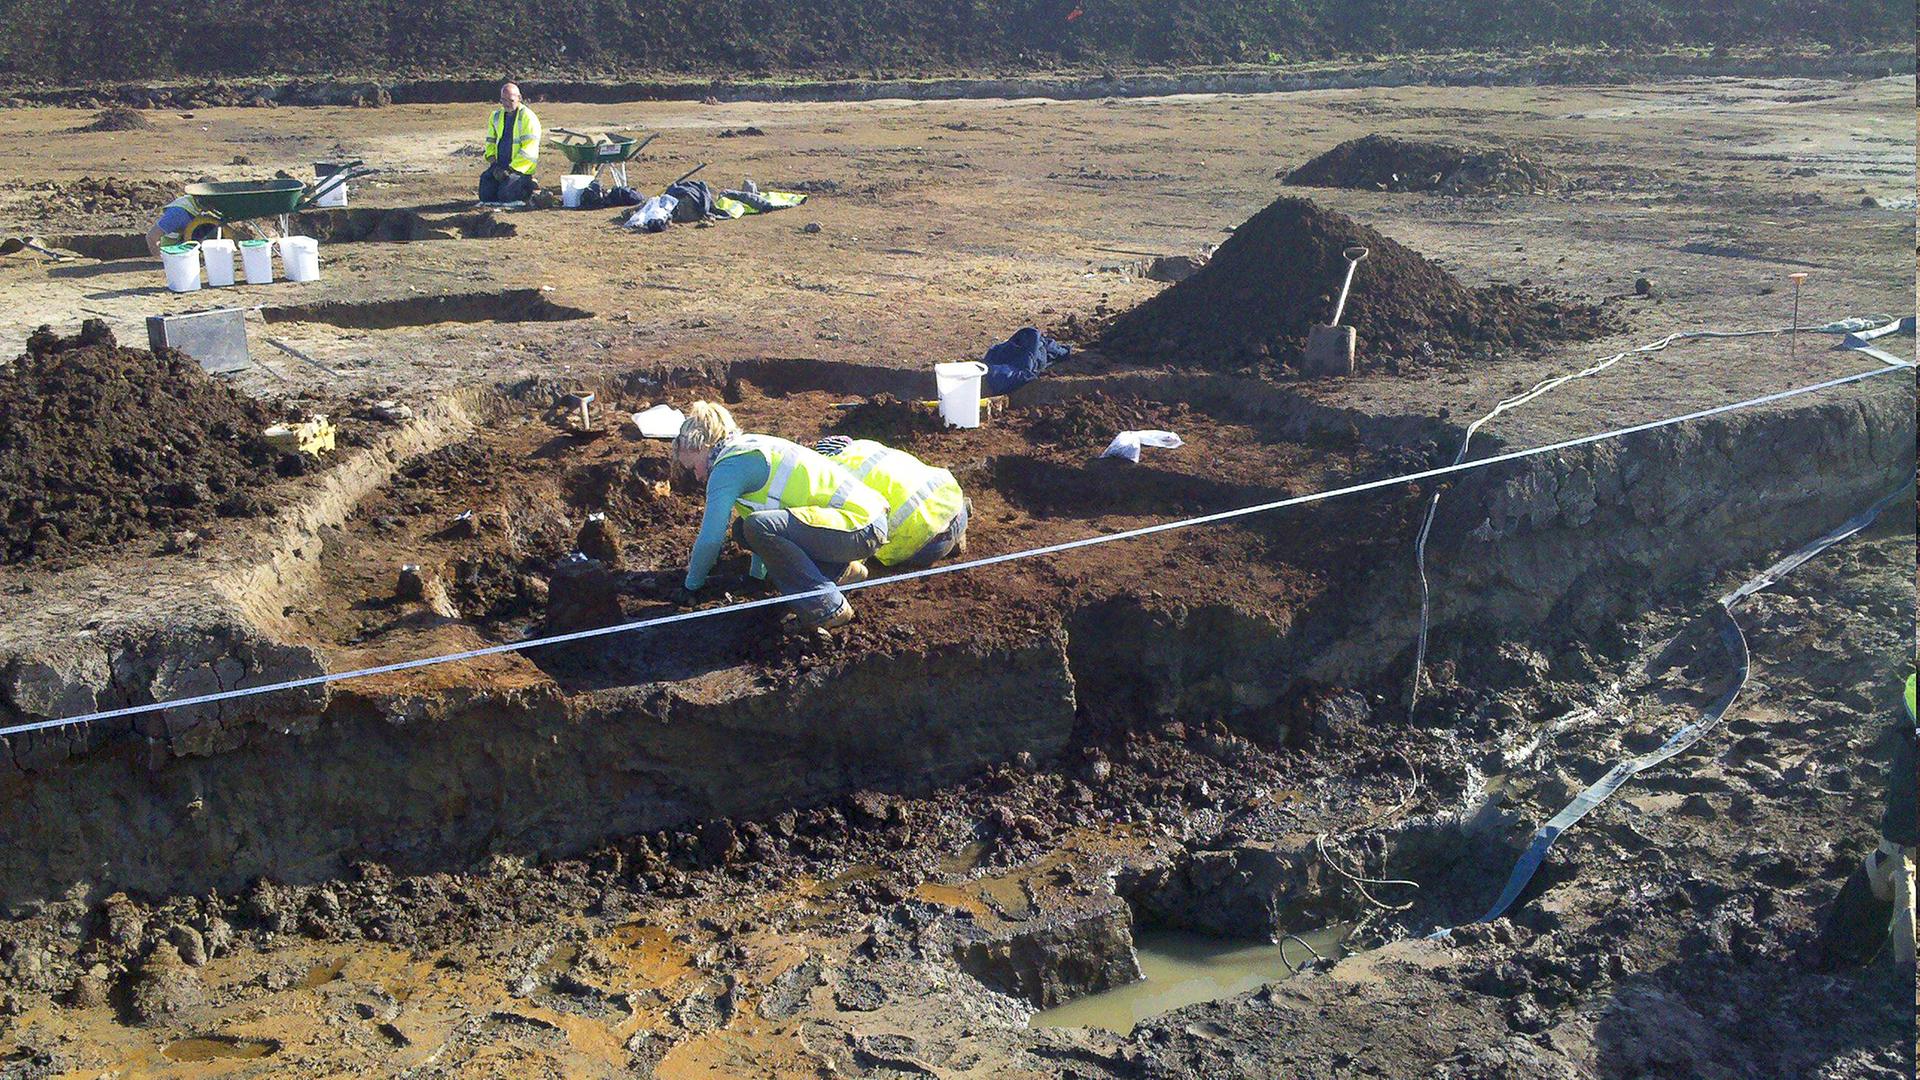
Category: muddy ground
[912,924]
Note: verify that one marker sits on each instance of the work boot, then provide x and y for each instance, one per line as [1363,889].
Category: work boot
[838,618]
[856,571]
[1858,924]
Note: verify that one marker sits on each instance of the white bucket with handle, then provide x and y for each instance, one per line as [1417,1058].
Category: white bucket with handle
[182,263]
[218,255]
[256,258]
[571,186]
[300,255]
[958,386]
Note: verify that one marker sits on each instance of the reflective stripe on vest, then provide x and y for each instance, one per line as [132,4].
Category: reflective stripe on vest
[922,499]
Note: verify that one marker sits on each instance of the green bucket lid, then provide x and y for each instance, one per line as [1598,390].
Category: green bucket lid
[255,243]
[180,249]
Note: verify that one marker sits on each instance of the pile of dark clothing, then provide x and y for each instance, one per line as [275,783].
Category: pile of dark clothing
[598,197]
[1019,360]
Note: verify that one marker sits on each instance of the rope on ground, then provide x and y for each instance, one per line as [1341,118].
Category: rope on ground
[1361,883]
[1858,330]
[954,568]
[1735,641]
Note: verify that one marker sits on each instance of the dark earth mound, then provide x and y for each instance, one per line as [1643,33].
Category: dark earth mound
[117,118]
[1251,306]
[129,202]
[100,444]
[1385,163]
[81,41]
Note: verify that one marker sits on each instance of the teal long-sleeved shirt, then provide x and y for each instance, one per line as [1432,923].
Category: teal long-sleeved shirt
[731,478]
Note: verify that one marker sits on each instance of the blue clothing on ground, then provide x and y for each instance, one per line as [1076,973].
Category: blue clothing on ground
[174,220]
[1016,361]
[731,478]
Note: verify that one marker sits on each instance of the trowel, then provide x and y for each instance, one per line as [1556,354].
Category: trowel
[1330,347]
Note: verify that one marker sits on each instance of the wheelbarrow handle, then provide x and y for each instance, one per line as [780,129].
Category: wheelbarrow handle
[333,180]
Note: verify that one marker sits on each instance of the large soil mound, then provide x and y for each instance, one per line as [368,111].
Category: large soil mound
[100,444]
[1251,306]
[1385,163]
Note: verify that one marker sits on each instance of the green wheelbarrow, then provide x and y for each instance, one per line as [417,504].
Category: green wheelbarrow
[219,206]
[610,152]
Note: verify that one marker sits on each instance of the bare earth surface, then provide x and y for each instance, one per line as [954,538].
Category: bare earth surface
[917,933]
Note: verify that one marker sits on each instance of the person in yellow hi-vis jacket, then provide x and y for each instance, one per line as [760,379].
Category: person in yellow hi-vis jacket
[512,150]
[807,519]
[926,510]
[1875,906]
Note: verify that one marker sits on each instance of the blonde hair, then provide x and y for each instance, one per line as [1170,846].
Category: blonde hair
[706,424]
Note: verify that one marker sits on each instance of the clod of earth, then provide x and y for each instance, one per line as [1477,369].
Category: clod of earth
[1252,305]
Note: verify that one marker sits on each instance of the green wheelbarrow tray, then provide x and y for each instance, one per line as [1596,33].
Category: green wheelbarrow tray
[583,151]
[245,200]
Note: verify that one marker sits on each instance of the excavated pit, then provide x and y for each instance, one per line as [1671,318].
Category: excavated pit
[551,751]
[506,305]
[339,226]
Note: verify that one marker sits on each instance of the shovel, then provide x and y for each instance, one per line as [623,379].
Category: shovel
[1330,347]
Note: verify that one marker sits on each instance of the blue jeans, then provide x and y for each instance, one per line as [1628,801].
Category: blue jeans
[801,558]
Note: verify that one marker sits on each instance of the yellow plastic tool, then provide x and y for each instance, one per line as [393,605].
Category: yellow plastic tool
[315,436]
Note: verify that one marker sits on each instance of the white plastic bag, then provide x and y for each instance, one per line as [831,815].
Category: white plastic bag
[654,215]
[1127,444]
[659,422]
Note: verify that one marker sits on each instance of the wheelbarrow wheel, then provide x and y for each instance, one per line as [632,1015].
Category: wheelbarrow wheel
[201,228]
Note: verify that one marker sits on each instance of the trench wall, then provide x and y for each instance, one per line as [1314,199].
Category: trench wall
[1544,549]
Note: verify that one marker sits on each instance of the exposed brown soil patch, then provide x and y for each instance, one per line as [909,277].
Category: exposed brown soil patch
[1251,306]
[101,444]
[123,200]
[1386,163]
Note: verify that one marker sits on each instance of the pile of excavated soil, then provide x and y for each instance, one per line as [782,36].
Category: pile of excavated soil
[1251,306]
[135,202]
[117,118]
[100,444]
[1384,163]
[885,418]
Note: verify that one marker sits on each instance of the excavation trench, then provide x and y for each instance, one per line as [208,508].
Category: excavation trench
[338,226]
[552,751]
[507,305]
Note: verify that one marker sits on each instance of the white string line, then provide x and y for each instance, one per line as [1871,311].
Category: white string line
[1868,323]
[952,568]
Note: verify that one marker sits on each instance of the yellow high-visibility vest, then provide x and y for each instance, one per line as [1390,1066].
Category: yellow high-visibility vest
[921,499]
[526,139]
[811,485]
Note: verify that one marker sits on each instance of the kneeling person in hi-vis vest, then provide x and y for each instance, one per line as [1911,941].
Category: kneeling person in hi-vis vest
[926,510]
[803,516]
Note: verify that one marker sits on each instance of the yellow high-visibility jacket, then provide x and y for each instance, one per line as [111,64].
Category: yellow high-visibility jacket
[921,499]
[815,488]
[526,139]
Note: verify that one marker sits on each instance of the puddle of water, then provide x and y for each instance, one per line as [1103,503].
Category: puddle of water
[218,1048]
[1182,968]
[322,973]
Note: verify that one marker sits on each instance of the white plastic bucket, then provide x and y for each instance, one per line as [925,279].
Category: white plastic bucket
[571,185]
[256,258]
[959,390]
[334,196]
[218,255]
[182,263]
[300,256]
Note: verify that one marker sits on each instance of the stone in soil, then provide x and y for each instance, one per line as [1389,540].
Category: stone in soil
[1252,305]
